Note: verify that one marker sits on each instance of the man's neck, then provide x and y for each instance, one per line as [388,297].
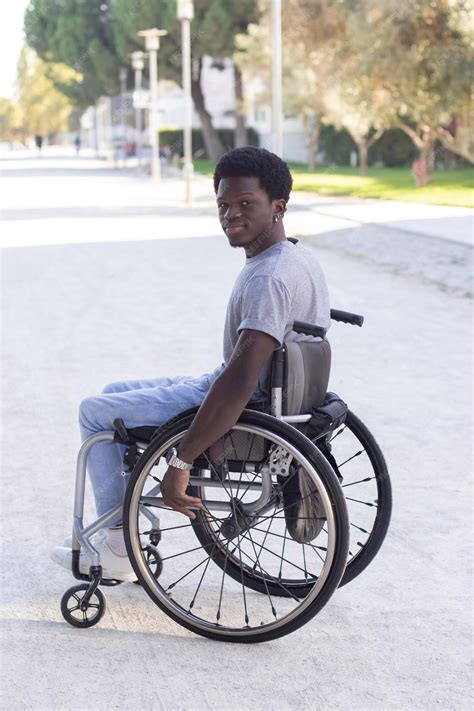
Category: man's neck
[263,242]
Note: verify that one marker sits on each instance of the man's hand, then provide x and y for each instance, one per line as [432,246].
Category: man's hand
[173,490]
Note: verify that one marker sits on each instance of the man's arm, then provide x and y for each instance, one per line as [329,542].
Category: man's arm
[219,411]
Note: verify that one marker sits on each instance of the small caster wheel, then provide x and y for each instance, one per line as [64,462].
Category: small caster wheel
[155,564]
[79,614]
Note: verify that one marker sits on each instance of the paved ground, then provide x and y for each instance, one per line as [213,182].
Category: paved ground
[90,296]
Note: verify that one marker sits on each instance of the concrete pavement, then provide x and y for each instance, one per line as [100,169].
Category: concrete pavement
[90,296]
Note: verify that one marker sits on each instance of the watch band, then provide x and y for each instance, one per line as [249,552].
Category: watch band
[173,460]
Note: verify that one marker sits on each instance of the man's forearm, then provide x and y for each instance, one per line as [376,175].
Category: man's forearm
[220,410]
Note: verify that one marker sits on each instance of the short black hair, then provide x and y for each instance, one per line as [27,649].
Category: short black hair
[272,172]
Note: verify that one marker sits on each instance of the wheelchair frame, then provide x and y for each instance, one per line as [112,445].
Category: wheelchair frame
[82,534]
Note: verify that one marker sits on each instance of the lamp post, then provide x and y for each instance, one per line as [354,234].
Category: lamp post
[152,44]
[138,64]
[185,13]
[277,110]
[123,108]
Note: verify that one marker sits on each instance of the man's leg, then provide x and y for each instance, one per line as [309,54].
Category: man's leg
[137,403]
[146,404]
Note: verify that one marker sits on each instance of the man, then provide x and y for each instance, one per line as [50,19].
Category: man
[280,282]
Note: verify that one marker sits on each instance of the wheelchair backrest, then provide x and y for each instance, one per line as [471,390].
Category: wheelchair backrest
[306,375]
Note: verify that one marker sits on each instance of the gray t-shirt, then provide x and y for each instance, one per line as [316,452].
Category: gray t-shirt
[282,284]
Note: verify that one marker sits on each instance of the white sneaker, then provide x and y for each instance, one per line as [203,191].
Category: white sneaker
[116,567]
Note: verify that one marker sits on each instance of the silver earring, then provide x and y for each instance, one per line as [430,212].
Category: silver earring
[276,218]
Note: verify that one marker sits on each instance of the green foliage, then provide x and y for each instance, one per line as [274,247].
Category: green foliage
[10,123]
[336,145]
[80,35]
[421,54]
[42,109]
[393,149]
[174,139]
[213,30]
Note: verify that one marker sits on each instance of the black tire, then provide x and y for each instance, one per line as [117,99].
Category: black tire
[363,550]
[363,546]
[328,582]
[153,559]
[71,601]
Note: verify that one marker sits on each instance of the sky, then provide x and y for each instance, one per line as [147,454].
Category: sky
[11,42]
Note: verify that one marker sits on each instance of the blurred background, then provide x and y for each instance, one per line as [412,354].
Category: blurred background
[376,97]
[115,267]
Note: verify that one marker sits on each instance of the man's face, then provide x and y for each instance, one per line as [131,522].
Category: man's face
[245,213]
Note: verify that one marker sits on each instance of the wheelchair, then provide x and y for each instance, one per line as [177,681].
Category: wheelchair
[296,503]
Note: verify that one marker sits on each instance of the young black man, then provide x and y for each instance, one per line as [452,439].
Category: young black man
[280,282]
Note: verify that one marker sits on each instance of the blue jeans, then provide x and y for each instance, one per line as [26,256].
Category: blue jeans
[137,402]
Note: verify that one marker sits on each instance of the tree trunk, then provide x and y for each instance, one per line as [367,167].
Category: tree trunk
[214,147]
[424,144]
[241,138]
[427,156]
[312,127]
[363,150]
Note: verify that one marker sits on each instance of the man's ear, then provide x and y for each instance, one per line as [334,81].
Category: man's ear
[279,207]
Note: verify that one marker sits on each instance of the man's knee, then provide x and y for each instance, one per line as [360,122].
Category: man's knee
[110,388]
[88,411]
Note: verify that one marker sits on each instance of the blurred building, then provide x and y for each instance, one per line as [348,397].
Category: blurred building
[110,123]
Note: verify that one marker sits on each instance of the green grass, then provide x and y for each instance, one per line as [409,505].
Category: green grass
[449,187]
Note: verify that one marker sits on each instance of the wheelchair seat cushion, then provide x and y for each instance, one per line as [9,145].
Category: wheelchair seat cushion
[307,368]
[147,432]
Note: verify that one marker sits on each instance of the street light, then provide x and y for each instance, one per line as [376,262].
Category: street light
[185,13]
[277,110]
[138,64]
[152,44]
[123,73]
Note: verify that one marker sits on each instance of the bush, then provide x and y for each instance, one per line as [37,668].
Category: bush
[336,145]
[394,148]
[174,139]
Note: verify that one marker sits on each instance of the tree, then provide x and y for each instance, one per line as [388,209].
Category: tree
[80,35]
[417,54]
[10,122]
[97,38]
[362,112]
[315,85]
[213,32]
[42,109]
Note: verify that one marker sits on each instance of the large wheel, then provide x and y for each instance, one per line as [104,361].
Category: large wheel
[355,455]
[208,586]
[353,452]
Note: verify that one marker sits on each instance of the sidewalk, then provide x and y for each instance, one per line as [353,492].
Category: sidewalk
[106,277]
[432,243]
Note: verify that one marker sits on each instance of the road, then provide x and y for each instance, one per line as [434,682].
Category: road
[107,277]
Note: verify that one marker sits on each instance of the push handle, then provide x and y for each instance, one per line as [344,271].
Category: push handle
[347,317]
[309,329]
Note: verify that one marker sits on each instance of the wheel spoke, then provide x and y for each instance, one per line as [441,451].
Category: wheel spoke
[294,565]
[359,528]
[357,454]
[272,607]
[358,501]
[361,481]
[263,560]
[246,616]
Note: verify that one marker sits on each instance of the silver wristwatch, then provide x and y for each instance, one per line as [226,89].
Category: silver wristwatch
[173,460]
